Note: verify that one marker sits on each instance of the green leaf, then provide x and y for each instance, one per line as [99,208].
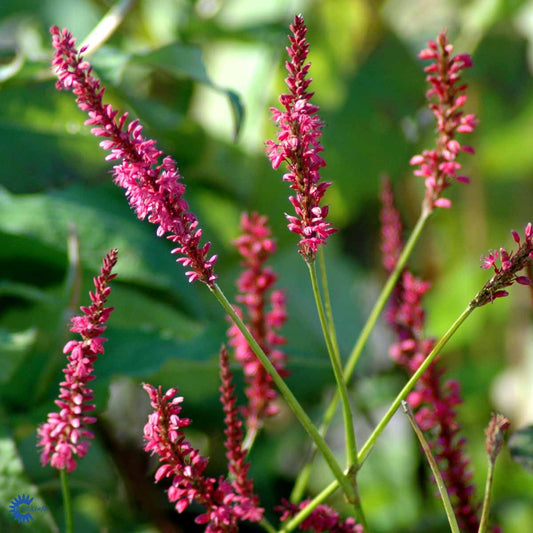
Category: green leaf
[14,347]
[14,482]
[136,353]
[103,221]
[186,61]
[521,447]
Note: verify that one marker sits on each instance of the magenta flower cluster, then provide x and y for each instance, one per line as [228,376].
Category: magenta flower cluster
[152,185]
[323,519]
[433,401]
[65,435]
[299,146]
[439,167]
[511,263]
[264,316]
[225,502]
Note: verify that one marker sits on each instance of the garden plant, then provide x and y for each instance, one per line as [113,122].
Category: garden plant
[254,365]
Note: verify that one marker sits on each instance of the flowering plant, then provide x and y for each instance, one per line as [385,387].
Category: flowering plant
[256,341]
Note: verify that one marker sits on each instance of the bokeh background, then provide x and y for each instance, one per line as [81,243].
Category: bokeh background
[201,75]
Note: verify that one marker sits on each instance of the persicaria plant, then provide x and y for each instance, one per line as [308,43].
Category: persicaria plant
[256,345]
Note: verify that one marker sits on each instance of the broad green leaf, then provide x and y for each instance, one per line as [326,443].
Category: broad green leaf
[186,61]
[14,347]
[103,221]
[137,353]
[13,483]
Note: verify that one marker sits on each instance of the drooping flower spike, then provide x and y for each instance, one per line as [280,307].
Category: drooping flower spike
[506,274]
[439,166]
[65,435]
[299,146]
[264,314]
[153,184]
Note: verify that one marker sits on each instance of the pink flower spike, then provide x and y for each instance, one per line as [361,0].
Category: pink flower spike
[184,465]
[264,315]
[237,465]
[152,183]
[432,399]
[299,146]
[446,96]
[65,435]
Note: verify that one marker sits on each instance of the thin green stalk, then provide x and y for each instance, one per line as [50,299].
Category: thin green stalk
[365,450]
[383,297]
[351,446]
[305,472]
[410,384]
[106,27]
[249,439]
[291,400]
[268,526]
[327,299]
[69,526]
[300,484]
[487,498]
[448,508]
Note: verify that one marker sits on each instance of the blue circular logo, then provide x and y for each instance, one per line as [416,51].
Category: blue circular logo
[18,508]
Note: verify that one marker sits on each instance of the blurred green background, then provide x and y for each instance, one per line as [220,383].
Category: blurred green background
[201,75]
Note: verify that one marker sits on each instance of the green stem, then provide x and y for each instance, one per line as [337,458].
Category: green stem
[305,472]
[249,439]
[410,384]
[351,446]
[268,526]
[327,299]
[69,527]
[107,25]
[291,400]
[365,450]
[383,297]
[448,508]
[303,477]
[487,499]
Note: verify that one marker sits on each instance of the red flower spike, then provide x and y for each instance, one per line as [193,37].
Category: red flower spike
[248,501]
[433,400]
[185,465]
[299,146]
[65,435]
[152,185]
[439,166]
[264,315]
